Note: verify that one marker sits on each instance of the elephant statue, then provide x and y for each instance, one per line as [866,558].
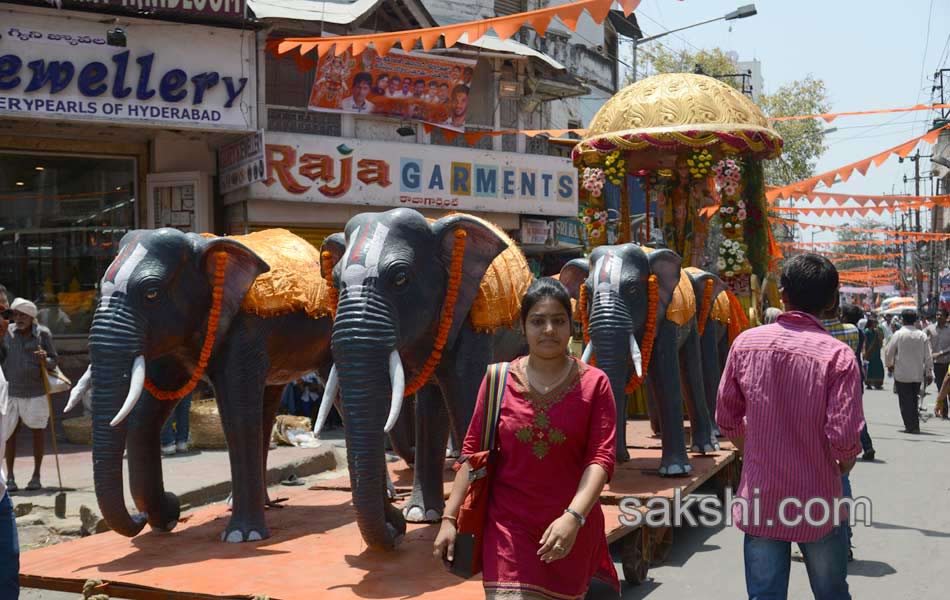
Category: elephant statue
[619,288]
[713,323]
[413,310]
[249,313]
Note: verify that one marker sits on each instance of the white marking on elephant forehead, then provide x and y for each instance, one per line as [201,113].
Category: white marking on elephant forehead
[121,281]
[607,275]
[375,249]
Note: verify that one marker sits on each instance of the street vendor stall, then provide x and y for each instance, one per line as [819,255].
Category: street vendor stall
[697,146]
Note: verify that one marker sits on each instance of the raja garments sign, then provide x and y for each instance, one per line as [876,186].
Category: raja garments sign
[185,76]
[310,168]
[416,86]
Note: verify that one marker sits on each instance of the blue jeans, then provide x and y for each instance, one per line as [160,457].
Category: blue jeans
[179,417]
[768,562]
[846,493]
[9,551]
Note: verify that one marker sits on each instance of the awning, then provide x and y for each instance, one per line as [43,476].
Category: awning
[330,11]
[492,43]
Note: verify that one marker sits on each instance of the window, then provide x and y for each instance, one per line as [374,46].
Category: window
[510,7]
[61,219]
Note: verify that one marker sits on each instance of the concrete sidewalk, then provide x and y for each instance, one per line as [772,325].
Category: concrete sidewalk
[197,477]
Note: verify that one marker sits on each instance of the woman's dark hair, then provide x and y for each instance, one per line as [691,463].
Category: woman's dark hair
[851,313]
[811,282]
[545,287]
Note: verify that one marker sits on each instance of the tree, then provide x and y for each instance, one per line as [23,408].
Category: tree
[803,140]
[869,249]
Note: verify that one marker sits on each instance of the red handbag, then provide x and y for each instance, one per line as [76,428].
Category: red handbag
[467,553]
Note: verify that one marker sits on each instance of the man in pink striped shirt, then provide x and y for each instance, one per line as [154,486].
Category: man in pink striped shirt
[790,399]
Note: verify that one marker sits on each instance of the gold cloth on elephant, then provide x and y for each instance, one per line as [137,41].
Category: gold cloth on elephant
[505,283]
[720,309]
[683,305]
[293,283]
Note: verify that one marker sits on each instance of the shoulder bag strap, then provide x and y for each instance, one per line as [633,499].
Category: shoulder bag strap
[497,375]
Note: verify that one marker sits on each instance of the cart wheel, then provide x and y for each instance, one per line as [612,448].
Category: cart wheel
[635,565]
[661,544]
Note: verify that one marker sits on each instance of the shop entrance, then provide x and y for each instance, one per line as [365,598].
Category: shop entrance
[61,219]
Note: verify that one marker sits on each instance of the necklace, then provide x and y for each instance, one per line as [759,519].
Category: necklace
[533,378]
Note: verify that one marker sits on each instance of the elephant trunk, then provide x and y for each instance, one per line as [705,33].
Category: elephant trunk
[610,329]
[364,337]
[115,341]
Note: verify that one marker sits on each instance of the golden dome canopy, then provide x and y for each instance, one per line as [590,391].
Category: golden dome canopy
[679,110]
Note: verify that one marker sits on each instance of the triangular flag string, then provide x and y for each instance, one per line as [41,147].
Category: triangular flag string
[867,200]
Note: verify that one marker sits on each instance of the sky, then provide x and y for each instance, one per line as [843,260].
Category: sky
[871,54]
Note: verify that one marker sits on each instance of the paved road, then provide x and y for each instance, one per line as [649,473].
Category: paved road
[898,556]
[901,555]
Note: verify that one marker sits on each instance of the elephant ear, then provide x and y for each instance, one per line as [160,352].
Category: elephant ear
[574,274]
[665,264]
[242,268]
[482,246]
[335,244]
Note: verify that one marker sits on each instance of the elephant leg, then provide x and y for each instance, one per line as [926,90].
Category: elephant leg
[402,434]
[692,371]
[145,463]
[665,373]
[272,395]
[239,394]
[711,370]
[653,408]
[427,501]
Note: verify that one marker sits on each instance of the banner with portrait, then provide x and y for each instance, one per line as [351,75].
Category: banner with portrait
[413,86]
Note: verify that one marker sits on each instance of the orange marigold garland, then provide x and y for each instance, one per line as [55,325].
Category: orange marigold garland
[448,310]
[326,266]
[706,306]
[217,296]
[585,316]
[648,336]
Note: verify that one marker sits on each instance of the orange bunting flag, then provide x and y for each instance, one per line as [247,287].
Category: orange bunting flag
[806,186]
[504,27]
[829,117]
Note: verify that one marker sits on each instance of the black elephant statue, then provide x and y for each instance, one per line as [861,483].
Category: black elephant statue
[638,308]
[712,319]
[249,313]
[413,317]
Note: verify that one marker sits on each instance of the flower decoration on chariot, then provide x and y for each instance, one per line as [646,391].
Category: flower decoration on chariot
[699,163]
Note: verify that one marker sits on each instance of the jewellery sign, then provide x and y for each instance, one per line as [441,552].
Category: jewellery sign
[310,168]
[186,76]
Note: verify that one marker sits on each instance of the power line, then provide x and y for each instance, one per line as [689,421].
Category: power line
[923,59]
[665,29]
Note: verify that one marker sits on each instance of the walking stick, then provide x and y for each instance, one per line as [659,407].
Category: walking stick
[61,496]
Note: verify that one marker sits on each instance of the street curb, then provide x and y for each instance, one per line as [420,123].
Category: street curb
[323,460]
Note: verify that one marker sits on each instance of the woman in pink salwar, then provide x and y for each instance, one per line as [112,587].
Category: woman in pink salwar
[544,531]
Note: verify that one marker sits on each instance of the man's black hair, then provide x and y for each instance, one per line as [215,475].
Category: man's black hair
[810,282]
[851,313]
[361,77]
[909,316]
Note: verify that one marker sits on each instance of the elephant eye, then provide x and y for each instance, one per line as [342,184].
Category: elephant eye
[400,279]
[151,295]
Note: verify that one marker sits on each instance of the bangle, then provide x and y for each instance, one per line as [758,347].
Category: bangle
[576,515]
[454,520]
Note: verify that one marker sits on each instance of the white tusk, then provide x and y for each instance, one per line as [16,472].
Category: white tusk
[82,386]
[329,395]
[398,380]
[136,384]
[588,352]
[635,354]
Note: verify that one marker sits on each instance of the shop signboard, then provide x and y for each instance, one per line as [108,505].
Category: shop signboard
[182,77]
[206,9]
[535,231]
[241,163]
[311,168]
[568,232]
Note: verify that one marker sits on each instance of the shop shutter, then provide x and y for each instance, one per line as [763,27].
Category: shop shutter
[509,7]
[314,235]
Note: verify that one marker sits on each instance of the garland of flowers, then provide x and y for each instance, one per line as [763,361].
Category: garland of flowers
[649,335]
[595,223]
[582,301]
[706,306]
[593,181]
[699,163]
[217,296]
[615,167]
[448,310]
[326,266]
[733,256]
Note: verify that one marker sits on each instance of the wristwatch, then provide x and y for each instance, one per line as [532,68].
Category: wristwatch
[576,515]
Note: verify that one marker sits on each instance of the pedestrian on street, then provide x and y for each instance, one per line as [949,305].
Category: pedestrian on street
[175,439]
[908,357]
[790,400]
[544,527]
[9,544]
[26,346]
[850,315]
[874,344]
[939,336]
